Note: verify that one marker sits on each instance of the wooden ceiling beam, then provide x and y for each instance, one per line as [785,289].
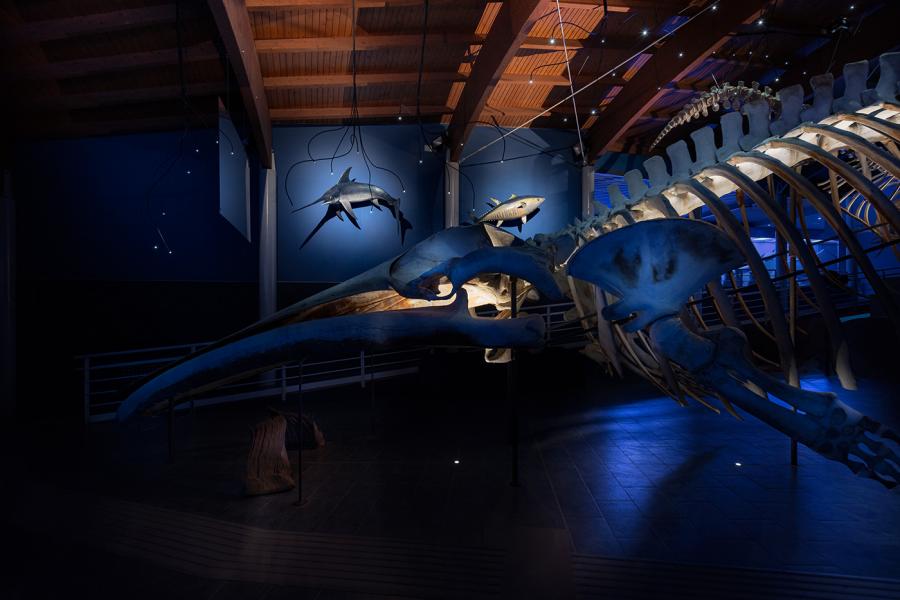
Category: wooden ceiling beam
[127,96]
[105,64]
[363,42]
[682,53]
[510,29]
[233,23]
[558,80]
[364,112]
[414,40]
[620,6]
[362,79]
[367,79]
[69,27]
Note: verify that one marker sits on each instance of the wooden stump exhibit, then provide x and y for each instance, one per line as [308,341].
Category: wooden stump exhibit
[268,466]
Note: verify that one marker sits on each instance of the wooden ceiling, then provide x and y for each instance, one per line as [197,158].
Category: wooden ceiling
[92,67]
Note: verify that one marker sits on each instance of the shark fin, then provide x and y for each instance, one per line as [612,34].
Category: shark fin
[338,215]
[345,178]
[348,208]
[495,202]
[524,219]
[375,203]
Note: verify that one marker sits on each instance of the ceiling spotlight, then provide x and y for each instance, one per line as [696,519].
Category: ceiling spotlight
[170,252]
[456,462]
[681,54]
[593,111]
[565,119]
[188,171]
[715,7]
[399,117]
[531,81]
[777,79]
[552,40]
[761,22]
[737,464]
[155,246]
[645,32]
[602,40]
[852,7]
[420,161]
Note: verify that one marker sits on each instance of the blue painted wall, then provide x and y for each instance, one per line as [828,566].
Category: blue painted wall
[523,171]
[339,250]
[89,210]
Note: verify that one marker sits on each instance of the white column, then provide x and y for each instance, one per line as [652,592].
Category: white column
[451,193]
[587,191]
[268,244]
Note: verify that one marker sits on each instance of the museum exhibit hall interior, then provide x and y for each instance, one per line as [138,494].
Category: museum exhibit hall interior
[450,299]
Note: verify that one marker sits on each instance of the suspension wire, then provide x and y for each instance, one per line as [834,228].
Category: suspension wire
[562,32]
[592,83]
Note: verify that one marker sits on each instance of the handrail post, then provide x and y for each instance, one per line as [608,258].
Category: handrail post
[86,366]
[362,369]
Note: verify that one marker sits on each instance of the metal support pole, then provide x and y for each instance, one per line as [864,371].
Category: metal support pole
[86,369]
[451,193]
[300,501]
[170,429]
[512,405]
[792,313]
[587,191]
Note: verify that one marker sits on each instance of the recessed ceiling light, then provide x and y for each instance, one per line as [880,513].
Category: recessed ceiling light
[645,32]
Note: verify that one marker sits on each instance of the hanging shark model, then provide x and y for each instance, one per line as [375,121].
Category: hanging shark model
[513,209]
[347,193]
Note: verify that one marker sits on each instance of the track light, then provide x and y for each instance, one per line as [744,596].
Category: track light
[552,41]
[645,32]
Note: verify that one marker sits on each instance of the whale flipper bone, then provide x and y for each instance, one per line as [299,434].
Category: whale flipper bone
[759,113]
[704,148]
[680,157]
[617,200]
[855,75]
[791,99]
[657,173]
[823,98]
[732,131]
[634,179]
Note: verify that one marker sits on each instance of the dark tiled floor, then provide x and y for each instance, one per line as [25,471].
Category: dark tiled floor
[618,470]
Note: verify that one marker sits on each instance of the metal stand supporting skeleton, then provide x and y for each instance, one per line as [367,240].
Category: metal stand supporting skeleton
[512,405]
[300,501]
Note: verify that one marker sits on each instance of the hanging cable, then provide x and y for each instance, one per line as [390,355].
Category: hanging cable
[562,32]
[591,83]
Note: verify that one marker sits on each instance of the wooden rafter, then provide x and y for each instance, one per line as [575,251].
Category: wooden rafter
[118,62]
[233,23]
[614,5]
[510,28]
[685,51]
[68,27]
[346,112]
[411,40]
[390,78]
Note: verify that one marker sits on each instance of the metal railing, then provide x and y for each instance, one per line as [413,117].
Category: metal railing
[107,377]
